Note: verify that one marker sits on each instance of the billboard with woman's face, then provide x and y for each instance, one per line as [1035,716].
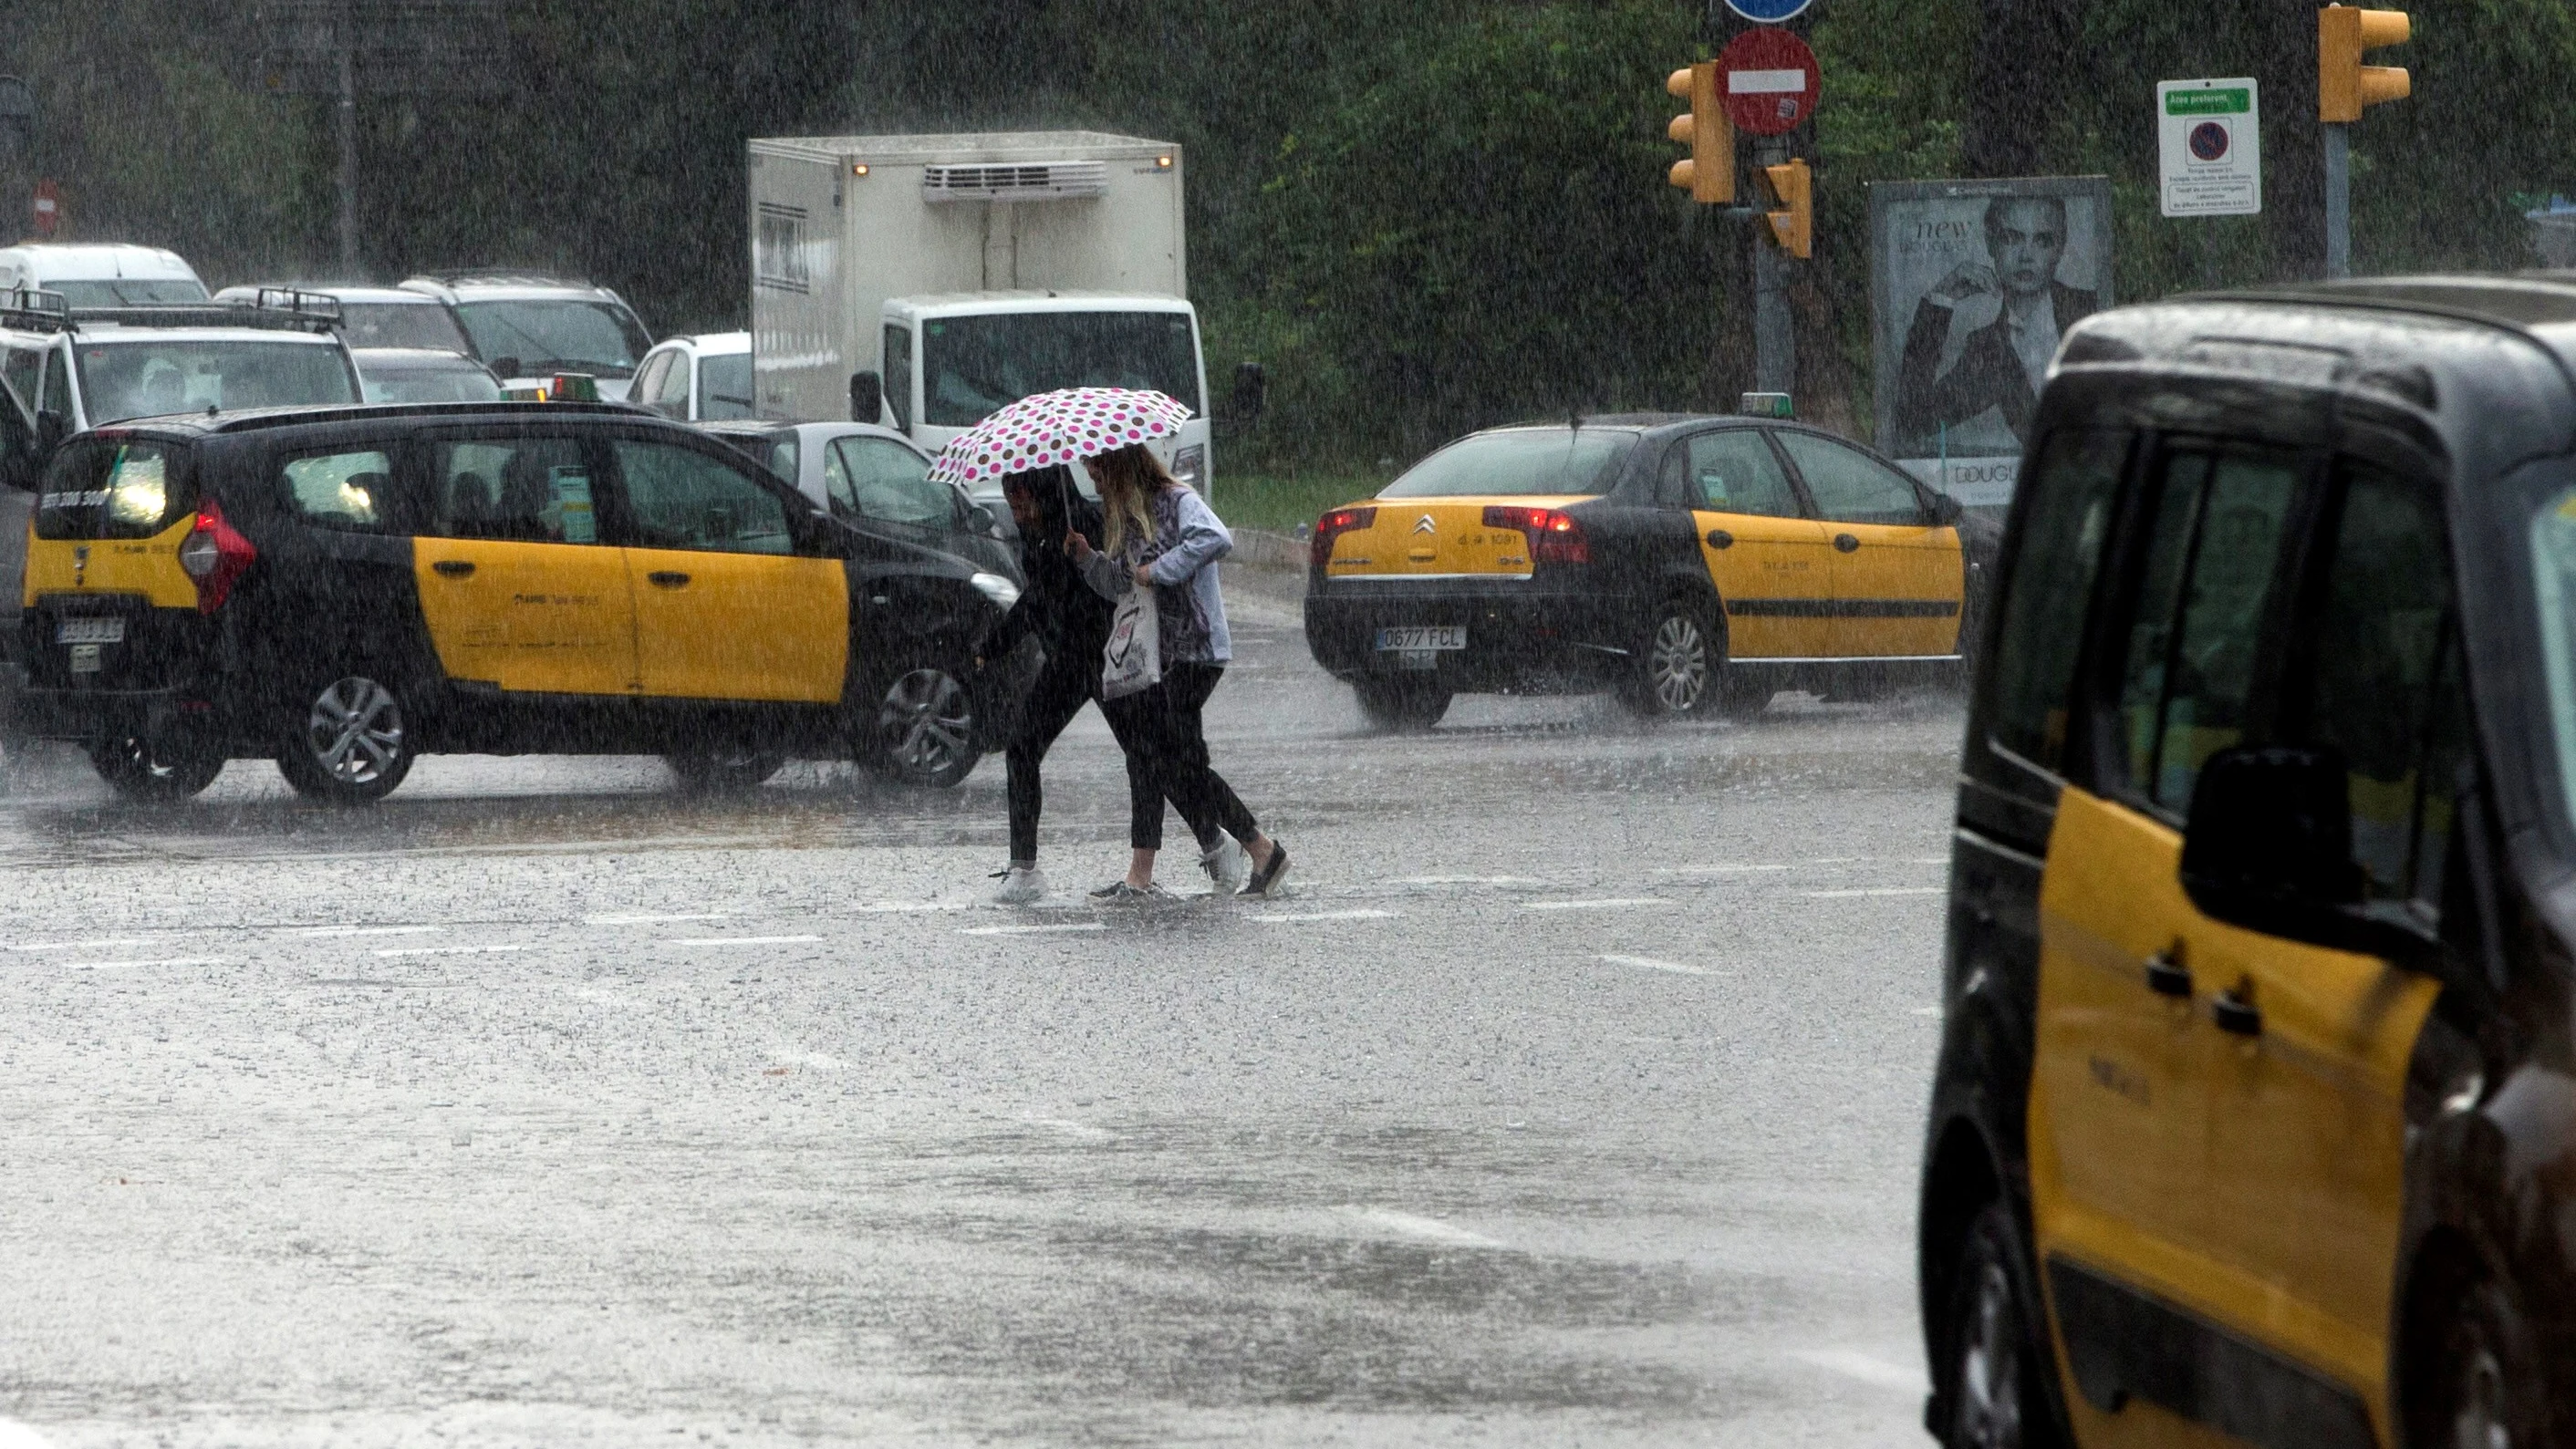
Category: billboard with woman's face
[1971,283]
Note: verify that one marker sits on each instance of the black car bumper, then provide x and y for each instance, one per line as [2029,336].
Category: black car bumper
[1519,638]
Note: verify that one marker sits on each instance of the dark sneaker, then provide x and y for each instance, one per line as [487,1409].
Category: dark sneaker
[1266,878]
[1120,893]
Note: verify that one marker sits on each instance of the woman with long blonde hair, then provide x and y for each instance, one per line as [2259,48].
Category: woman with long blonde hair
[1160,535]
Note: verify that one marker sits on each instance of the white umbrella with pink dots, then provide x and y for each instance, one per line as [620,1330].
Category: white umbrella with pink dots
[1050,428]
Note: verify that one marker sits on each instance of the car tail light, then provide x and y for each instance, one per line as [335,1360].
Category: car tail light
[1555,536]
[1333,525]
[216,556]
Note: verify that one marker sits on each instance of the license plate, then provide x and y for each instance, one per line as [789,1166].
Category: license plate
[84,659]
[89,630]
[1414,638]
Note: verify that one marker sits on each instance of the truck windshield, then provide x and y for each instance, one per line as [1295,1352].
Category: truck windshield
[126,291]
[401,324]
[546,334]
[147,378]
[973,365]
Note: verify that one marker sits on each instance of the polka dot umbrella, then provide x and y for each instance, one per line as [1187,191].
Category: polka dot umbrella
[1058,427]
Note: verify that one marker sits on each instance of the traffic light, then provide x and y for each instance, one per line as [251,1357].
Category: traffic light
[1709,174]
[1794,225]
[2344,84]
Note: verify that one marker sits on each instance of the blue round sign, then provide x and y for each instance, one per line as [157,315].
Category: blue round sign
[1768,12]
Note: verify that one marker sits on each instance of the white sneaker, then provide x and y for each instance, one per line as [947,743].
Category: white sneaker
[1022,885]
[1229,865]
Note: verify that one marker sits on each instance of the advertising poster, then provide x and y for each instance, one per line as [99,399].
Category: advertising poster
[1971,283]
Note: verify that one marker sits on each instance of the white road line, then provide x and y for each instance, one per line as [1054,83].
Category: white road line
[653,920]
[127,965]
[1651,964]
[1715,869]
[1877,891]
[1927,1011]
[370,930]
[1603,903]
[80,945]
[1836,859]
[443,950]
[1852,1363]
[14,1435]
[743,941]
[875,908]
[1430,1229]
[1486,880]
[1279,917]
[1032,930]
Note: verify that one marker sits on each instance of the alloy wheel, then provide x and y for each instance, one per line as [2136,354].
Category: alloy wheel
[1989,1409]
[1677,664]
[355,731]
[926,722]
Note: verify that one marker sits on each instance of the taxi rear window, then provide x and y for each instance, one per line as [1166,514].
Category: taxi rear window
[116,488]
[1523,461]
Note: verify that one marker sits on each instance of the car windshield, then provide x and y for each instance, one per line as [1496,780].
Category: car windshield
[724,386]
[1522,461]
[142,379]
[973,365]
[464,382]
[126,291]
[401,324]
[554,334]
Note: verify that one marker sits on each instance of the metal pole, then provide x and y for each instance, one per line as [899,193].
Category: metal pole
[1774,355]
[2338,200]
[348,109]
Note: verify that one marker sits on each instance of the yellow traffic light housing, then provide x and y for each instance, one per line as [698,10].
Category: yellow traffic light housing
[1794,225]
[1709,174]
[2344,84]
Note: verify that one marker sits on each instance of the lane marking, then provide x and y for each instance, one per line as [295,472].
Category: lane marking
[743,941]
[369,930]
[1603,903]
[81,945]
[1413,1226]
[1927,1011]
[652,920]
[1278,917]
[897,907]
[1652,964]
[126,965]
[1032,930]
[1877,891]
[1836,859]
[14,1435]
[1715,869]
[1486,880]
[1852,1363]
[443,950]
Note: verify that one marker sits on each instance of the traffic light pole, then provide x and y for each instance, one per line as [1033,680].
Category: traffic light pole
[1775,358]
[2338,199]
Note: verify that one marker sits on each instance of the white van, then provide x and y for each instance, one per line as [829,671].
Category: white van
[100,274]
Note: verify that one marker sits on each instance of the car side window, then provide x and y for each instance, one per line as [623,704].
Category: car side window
[23,369]
[671,389]
[351,490]
[1735,471]
[844,500]
[682,498]
[2211,569]
[55,394]
[527,490]
[891,483]
[2385,691]
[898,378]
[647,387]
[1848,485]
[2044,601]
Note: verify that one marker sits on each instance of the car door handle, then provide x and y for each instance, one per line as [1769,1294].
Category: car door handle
[2236,1015]
[1845,543]
[2167,976]
[668,578]
[1720,538]
[454,568]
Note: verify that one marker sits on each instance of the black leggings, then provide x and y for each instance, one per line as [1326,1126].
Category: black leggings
[1170,746]
[1059,694]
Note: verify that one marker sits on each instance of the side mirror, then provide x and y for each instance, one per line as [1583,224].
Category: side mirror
[867,397]
[2268,847]
[1946,510]
[980,519]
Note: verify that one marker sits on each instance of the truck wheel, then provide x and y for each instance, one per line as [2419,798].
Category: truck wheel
[725,769]
[352,744]
[1393,706]
[1992,1370]
[921,729]
[157,769]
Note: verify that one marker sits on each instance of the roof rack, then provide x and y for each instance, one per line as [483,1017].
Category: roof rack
[503,277]
[279,308]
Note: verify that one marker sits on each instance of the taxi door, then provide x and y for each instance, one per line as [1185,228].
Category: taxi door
[1899,578]
[724,609]
[1770,562]
[516,585]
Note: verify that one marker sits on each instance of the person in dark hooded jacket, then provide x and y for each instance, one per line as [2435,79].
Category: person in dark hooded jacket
[1070,621]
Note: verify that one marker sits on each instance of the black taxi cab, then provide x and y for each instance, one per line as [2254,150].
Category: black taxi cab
[1688,564]
[345,589]
[2254,1119]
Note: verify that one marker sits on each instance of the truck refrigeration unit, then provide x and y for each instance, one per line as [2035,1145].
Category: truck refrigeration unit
[924,281]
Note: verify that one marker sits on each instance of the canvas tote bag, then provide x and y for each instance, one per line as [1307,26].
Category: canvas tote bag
[1133,659]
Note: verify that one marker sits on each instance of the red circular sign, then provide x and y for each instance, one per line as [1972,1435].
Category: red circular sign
[1768,81]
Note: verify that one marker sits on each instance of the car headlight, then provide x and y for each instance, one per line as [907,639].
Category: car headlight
[1000,590]
[1190,466]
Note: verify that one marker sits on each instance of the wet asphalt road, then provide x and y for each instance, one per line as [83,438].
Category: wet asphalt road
[1572,1096]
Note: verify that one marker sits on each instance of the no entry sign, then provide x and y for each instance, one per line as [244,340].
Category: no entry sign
[1769,82]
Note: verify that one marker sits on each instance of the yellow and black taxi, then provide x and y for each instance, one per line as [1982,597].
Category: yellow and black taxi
[1690,564]
[2255,1112]
[344,589]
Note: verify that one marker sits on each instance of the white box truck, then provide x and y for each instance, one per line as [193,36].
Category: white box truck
[924,281]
